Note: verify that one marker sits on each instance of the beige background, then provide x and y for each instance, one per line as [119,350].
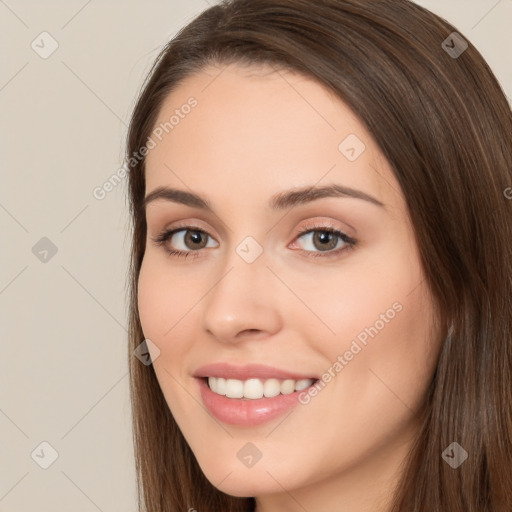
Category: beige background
[64,372]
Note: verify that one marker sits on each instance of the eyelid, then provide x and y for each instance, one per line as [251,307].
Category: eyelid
[312,225]
[189,224]
[349,241]
[169,233]
[317,224]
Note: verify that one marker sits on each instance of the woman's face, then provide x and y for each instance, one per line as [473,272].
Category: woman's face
[351,310]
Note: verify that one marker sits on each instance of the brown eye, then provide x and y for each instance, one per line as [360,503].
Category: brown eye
[195,239]
[325,240]
[184,240]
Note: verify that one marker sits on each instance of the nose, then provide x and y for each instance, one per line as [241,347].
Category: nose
[243,301]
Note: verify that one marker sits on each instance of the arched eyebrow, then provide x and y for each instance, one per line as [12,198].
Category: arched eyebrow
[289,198]
[280,201]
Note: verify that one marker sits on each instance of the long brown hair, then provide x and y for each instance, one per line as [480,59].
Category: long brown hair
[443,122]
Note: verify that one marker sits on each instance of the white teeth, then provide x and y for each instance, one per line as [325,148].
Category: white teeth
[303,384]
[287,387]
[253,388]
[256,388]
[271,388]
[221,386]
[234,388]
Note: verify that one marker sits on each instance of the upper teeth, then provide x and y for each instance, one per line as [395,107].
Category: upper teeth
[255,388]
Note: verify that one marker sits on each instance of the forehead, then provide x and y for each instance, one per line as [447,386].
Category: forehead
[256,129]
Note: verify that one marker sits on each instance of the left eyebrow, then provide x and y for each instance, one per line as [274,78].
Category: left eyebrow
[280,201]
[293,197]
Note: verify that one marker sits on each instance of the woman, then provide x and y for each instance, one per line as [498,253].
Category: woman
[321,264]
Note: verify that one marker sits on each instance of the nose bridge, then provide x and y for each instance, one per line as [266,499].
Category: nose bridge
[241,298]
[245,264]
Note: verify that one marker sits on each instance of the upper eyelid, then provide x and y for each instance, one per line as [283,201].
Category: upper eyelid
[318,226]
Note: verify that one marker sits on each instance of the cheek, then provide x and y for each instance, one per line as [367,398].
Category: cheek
[149,301]
[355,301]
[380,316]
[161,300]
[404,354]
[165,315]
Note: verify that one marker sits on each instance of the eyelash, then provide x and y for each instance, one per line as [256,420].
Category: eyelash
[165,235]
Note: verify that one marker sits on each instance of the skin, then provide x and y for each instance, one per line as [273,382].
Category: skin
[257,131]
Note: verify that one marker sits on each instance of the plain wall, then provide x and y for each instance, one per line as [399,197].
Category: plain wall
[63,368]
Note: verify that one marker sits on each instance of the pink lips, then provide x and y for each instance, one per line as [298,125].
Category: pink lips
[242,411]
[257,371]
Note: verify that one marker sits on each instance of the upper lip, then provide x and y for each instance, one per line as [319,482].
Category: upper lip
[257,371]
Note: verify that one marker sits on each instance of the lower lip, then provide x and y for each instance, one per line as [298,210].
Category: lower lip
[247,412]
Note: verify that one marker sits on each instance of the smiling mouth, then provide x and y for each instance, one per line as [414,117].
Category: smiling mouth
[254,388]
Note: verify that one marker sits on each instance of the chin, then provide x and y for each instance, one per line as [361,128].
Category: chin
[263,478]
[245,487]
